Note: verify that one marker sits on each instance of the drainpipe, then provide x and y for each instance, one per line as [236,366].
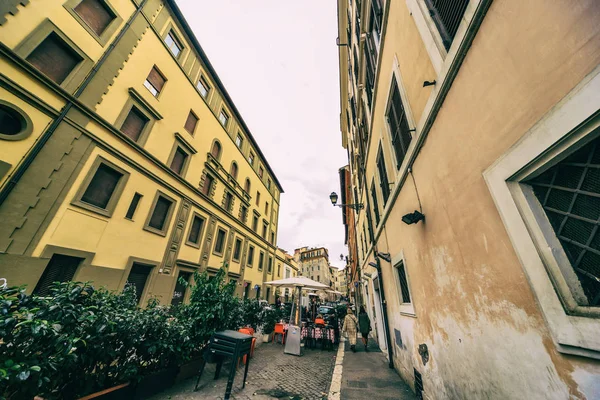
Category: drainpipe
[30,157]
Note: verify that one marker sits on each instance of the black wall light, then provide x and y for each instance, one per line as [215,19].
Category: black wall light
[429,83]
[413,218]
[384,256]
[372,264]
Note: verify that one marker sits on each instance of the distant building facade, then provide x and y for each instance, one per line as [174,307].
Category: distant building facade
[314,264]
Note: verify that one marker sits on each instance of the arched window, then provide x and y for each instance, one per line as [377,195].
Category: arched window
[216,150]
[247,185]
[234,170]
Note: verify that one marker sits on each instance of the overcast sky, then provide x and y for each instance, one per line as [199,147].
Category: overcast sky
[279,62]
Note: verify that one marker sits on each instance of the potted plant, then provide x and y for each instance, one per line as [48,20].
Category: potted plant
[271,316]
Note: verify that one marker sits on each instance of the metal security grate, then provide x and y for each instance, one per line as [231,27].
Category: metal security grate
[418,384]
[569,192]
[447,15]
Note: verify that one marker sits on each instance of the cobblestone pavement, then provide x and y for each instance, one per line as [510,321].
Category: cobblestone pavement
[272,375]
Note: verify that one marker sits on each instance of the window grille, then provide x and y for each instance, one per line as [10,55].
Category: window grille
[418,384]
[398,123]
[447,15]
[403,282]
[569,193]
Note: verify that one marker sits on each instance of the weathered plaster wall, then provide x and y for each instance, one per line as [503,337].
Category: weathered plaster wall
[474,308]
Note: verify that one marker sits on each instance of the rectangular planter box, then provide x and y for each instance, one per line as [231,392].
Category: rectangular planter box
[155,383]
[189,370]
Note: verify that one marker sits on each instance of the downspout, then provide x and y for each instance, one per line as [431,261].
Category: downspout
[30,157]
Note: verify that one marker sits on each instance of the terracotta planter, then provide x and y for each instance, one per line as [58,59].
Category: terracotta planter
[189,370]
[155,383]
[123,391]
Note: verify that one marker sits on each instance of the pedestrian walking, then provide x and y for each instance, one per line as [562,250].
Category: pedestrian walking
[350,327]
[364,324]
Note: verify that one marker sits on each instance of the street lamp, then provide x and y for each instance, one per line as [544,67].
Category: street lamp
[334,198]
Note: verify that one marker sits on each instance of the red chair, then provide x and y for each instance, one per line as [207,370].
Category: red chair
[279,330]
[249,331]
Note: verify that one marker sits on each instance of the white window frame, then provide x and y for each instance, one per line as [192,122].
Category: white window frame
[407,309]
[440,58]
[564,127]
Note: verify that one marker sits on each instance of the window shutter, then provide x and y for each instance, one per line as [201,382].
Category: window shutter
[195,230]
[216,150]
[178,160]
[234,171]
[133,206]
[138,277]
[54,58]
[159,215]
[96,14]
[134,124]
[61,268]
[156,79]
[190,123]
[101,187]
[208,181]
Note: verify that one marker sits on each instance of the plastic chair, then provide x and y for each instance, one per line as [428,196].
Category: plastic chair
[279,330]
[249,331]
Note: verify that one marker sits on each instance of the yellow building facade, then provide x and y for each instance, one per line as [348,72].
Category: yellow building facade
[122,156]
[471,129]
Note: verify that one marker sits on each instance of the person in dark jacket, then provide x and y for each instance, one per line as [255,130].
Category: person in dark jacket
[364,324]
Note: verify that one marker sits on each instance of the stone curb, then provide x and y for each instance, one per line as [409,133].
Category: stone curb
[336,379]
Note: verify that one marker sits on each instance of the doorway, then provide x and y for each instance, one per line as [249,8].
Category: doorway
[381,340]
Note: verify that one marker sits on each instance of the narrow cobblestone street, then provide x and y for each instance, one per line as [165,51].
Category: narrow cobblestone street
[272,375]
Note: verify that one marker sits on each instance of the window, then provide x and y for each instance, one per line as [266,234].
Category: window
[237,249]
[261,171]
[133,206]
[405,293]
[398,124]
[243,213]
[272,238]
[54,58]
[383,179]
[216,150]
[269,184]
[264,230]
[102,186]
[250,259]
[61,268]
[14,123]
[279,270]
[134,124]
[257,197]
[569,194]
[95,14]
[223,118]
[138,276]
[261,258]
[247,185]
[270,265]
[203,87]
[266,207]
[191,122]
[155,81]
[228,201]
[375,205]
[173,44]
[179,161]
[239,141]
[255,223]
[220,241]
[195,232]
[447,15]
[207,186]
[180,288]
[159,217]
[234,170]
[251,158]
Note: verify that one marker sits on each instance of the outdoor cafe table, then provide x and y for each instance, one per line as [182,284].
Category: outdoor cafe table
[304,332]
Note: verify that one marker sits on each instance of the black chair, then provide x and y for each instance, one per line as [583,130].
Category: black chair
[227,344]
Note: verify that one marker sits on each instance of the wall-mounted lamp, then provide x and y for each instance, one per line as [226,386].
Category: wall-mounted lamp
[372,264]
[413,218]
[429,83]
[334,198]
[384,256]
[337,42]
